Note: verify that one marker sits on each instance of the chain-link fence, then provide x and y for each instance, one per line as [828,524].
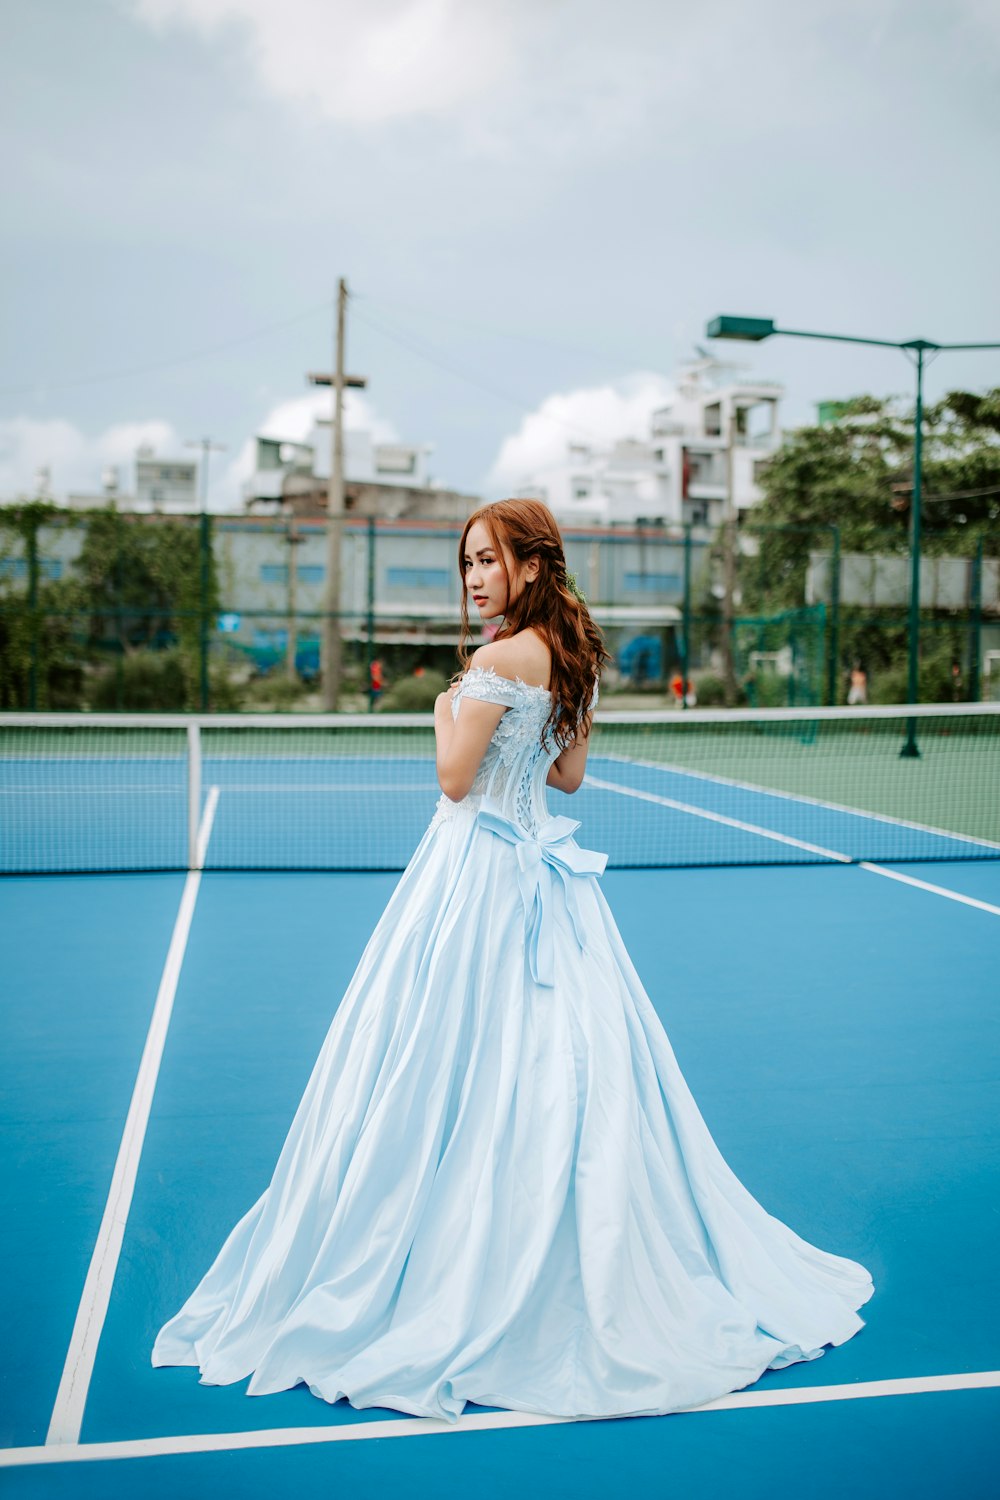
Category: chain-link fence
[108,610]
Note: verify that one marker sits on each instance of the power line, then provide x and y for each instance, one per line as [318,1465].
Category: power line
[470,379]
[492,330]
[164,364]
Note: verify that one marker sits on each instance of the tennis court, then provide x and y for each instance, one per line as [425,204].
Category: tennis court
[815,918]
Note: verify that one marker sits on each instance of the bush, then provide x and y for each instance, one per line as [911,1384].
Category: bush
[413,695]
[711,691]
[142,682]
[936,684]
[276,692]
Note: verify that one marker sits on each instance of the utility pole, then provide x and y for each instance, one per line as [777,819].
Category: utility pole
[207,449]
[330,660]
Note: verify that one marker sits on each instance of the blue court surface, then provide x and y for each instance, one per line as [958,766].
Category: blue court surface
[839,1026]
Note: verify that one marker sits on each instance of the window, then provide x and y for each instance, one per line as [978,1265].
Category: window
[274,572]
[17,567]
[310,572]
[652,583]
[418,578]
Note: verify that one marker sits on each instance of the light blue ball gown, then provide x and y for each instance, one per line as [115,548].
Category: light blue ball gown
[497,1187]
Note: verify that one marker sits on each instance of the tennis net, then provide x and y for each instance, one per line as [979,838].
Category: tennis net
[87,793]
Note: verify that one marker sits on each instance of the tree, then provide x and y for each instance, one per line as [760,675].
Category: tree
[857,474]
[139,586]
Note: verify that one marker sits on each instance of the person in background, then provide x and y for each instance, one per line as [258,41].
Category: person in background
[857,692]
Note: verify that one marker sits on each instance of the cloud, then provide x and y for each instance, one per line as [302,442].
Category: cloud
[366,63]
[597,415]
[576,77]
[74,459]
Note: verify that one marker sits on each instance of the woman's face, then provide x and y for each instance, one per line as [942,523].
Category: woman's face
[485,578]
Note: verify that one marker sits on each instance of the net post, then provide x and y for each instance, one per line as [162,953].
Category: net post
[194,794]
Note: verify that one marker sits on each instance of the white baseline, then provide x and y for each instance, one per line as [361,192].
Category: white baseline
[405,1427]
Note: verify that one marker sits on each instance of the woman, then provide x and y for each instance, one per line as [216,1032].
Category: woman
[497,1187]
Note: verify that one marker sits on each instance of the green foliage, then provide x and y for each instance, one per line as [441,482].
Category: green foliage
[857,474]
[138,585]
[43,648]
[40,658]
[275,692]
[710,690]
[143,681]
[413,694]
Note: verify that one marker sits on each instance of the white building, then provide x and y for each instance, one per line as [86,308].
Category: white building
[680,470]
[285,469]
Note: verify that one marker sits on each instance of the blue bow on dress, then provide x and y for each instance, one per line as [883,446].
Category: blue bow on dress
[540,856]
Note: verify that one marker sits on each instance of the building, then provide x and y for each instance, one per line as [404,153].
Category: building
[711,438]
[161,486]
[387,480]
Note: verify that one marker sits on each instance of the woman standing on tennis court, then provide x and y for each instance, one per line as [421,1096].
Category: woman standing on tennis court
[497,1187]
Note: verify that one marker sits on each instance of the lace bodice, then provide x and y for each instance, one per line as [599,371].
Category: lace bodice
[516,763]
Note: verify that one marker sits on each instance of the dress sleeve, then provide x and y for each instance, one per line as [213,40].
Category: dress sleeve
[486,684]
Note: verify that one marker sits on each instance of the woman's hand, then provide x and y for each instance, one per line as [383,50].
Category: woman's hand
[442,702]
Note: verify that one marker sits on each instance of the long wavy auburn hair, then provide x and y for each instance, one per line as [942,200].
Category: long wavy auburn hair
[527,528]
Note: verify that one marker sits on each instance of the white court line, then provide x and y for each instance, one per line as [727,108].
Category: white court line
[770,791]
[71,1397]
[404,1427]
[236,786]
[925,885]
[714,817]
[331,786]
[784,838]
[29,790]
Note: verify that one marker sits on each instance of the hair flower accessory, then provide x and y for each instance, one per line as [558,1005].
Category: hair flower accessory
[574,588]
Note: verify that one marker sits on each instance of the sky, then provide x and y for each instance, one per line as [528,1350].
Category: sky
[537,204]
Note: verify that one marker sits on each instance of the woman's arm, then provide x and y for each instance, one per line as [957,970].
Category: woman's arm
[462,742]
[566,771]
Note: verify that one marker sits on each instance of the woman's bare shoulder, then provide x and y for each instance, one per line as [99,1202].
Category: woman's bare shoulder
[524,655]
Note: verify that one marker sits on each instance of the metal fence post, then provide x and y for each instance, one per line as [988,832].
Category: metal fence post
[686,617]
[33,615]
[976,621]
[370,625]
[204,548]
[833,665]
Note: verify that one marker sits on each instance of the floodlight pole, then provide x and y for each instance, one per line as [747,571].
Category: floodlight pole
[754,330]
